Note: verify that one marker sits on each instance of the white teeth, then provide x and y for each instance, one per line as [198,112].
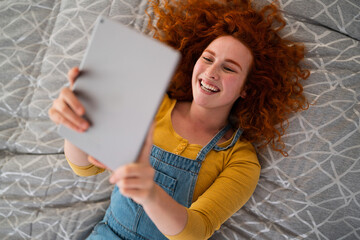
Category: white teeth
[208,88]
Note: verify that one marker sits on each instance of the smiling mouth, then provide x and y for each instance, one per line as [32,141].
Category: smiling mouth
[208,88]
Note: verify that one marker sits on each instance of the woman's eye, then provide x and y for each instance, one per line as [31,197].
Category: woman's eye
[228,69]
[207,59]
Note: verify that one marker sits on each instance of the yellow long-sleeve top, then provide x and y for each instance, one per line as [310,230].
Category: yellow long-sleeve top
[225,182]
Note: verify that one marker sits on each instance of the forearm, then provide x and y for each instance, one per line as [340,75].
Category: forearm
[169,216]
[75,155]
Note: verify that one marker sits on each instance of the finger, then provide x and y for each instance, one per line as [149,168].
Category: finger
[141,196]
[136,183]
[144,155]
[134,194]
[132,170]
[92,160]
[58,118]
[149,137]
[69,97]
[72,75]
[69,115]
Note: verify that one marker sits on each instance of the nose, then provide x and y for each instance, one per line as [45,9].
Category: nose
[212,72]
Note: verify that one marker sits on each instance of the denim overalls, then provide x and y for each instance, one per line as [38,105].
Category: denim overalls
[125,219]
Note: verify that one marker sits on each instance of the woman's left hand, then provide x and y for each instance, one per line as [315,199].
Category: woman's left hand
[136,180]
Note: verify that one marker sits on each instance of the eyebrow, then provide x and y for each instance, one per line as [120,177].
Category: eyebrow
[227,60]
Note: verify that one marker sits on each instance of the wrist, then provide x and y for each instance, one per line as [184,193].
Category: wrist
[153,197]
[168,215]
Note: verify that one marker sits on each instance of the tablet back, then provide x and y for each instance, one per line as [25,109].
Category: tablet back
[124,78]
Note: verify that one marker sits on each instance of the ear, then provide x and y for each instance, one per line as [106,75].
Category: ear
[243,93]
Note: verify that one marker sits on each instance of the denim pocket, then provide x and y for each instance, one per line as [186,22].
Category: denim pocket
[166,182]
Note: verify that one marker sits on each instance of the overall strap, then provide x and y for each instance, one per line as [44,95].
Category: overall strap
[204,151]
[236,137]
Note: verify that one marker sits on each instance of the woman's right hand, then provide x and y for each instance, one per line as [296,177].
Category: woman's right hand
[67,109]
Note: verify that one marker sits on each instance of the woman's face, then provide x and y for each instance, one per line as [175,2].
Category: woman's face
[220,72]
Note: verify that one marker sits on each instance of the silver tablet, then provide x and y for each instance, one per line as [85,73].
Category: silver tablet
[124,78]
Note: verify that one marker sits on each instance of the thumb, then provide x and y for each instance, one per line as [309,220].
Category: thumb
[72,75]
[146,148]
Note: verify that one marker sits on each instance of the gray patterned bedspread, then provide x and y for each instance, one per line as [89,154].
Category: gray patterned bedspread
[312,194]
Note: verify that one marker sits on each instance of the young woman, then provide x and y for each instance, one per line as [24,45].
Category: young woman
[236,80]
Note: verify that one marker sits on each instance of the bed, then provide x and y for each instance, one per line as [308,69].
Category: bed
[314,193]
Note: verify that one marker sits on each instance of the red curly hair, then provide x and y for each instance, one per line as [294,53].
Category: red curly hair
[272,85]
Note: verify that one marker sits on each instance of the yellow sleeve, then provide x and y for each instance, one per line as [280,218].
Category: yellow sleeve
[229,192]
[85,171]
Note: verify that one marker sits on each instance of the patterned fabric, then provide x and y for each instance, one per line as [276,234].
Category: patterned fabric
[312,194]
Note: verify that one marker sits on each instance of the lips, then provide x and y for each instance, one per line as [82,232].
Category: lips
[208,87]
